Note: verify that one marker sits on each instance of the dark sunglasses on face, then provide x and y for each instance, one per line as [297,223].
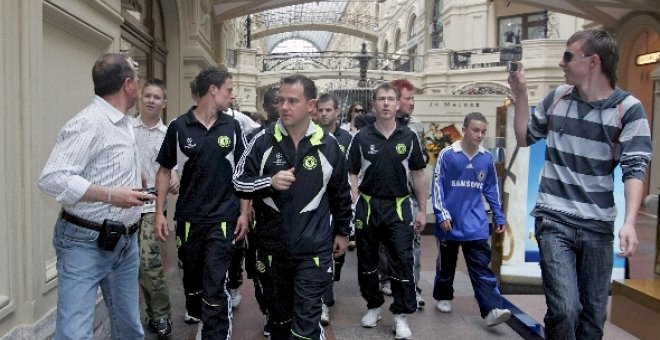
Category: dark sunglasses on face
[568,56]
[360,111]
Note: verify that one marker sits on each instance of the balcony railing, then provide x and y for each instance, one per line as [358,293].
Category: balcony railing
[274,18]
[335,60]
[484,58]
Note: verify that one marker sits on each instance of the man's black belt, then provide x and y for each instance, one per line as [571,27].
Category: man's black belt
[93,225]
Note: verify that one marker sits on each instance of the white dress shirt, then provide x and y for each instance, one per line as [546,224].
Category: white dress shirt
[149,141]
[246,123]
[97,146]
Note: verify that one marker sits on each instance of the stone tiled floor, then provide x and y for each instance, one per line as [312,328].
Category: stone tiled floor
[463,323]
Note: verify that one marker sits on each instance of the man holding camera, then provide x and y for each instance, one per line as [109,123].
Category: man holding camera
[590,127]
[94,172]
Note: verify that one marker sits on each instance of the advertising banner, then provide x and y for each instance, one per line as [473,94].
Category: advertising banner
[536,159]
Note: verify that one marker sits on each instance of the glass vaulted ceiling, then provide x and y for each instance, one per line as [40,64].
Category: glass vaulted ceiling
[308,13]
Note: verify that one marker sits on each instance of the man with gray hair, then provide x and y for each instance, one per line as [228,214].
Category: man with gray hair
[94,172]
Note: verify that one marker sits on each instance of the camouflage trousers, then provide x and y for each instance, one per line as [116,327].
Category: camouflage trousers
[152,275]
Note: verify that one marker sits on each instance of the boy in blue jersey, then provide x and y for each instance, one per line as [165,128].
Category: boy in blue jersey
[463,175]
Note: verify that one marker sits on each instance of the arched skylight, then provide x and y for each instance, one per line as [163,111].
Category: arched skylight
[317,12]
[294,45]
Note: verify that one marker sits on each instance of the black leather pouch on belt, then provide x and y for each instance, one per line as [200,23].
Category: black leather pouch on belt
[110,234]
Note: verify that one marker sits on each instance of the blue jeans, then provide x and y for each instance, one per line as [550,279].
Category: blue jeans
[576,266]
[477,257]
[81,268]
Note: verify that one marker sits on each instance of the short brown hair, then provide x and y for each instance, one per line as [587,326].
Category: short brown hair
[603,44]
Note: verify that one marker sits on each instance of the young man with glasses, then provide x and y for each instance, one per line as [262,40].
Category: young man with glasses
[356,110]
[590,127]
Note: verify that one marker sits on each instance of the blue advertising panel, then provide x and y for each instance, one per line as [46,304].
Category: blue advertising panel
[536,160]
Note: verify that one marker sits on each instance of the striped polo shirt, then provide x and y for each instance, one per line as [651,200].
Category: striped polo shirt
[585,142]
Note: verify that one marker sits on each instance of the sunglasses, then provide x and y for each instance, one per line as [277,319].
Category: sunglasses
[568,56]
[360,111]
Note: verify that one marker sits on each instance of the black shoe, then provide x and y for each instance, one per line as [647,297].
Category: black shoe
[162,327]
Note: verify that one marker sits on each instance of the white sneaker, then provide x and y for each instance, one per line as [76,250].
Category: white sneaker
[497,316]
[190,319]
[420,301]
[444,306]
[370,319]
[325,315]
[236,298]
[400,327]
[199,331]
[266,327]
[386,288]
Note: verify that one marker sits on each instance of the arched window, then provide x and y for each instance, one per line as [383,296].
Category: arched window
[397,40]
[386,46]
[143,36]
[436,25]
[412,32]
[412,26]
[294,46]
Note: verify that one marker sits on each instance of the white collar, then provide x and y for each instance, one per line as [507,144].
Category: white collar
[137,122]
[458,148]
[110,111]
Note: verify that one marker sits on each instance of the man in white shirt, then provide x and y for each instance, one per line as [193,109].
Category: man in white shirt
[149,134]
[94,172]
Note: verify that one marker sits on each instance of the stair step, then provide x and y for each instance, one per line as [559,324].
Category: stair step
[636,306]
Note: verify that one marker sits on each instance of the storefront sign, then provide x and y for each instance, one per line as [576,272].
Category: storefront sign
[452,104]
[648,58]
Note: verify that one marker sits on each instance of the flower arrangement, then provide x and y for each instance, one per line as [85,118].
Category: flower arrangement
[437,138]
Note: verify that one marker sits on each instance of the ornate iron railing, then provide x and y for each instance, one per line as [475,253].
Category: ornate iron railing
[484,58]
[273,18]
[335,60]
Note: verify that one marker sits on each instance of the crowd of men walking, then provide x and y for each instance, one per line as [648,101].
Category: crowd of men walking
[292,194]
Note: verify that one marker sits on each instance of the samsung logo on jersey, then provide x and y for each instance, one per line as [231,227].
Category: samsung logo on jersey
[466,184]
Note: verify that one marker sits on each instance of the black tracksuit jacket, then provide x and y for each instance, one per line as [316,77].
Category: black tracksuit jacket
[297,221]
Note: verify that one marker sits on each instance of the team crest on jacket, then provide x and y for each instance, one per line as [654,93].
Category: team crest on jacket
[401,148]
[224,141]
[309,162]
[261,267]
[481,175]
